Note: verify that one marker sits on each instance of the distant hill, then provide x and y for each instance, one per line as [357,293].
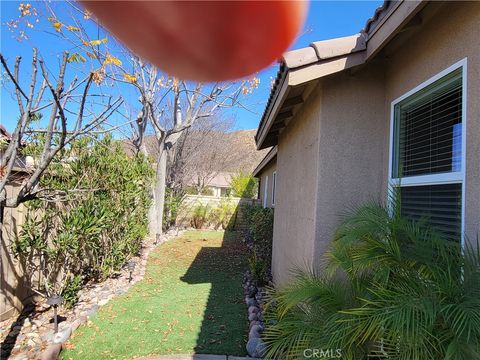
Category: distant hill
[226,152]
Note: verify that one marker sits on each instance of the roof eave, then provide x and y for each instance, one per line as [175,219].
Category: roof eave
[299,67]
[265,161]
[297,77]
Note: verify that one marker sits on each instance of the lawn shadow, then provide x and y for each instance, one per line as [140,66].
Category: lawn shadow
[224,324]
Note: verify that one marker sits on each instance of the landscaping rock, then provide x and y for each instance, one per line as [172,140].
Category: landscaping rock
[62,335]
[81,320]
[260,350]
[252,317]
[92,311]
[251,301]
[252,346]
[257,328]
[48,336]
[52,352]
[252,323]
[253,310]
[103,302]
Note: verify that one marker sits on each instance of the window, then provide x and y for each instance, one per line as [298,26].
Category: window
[427,147]
[274,186]
[265,192]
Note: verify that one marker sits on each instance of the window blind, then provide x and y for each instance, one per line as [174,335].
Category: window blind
[428,130]
[440,205]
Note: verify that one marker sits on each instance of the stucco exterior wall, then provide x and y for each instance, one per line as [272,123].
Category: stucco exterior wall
[334,154]
[295,208]
[352,148]
[451,35]
[267,171]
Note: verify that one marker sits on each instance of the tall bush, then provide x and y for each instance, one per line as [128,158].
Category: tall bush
[244,185]
[394,288]
[260,232]
[91,218]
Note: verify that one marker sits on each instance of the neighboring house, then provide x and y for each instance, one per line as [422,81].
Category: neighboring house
[217,184]
[396,105]
[266,173]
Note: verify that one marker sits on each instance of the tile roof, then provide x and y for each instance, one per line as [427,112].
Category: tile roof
[323,50]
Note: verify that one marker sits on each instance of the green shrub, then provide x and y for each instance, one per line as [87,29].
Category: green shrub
[260,230]
[244,185]
[200,216]
[394,288]
[173,201]
[261,227]
[259,268]
[223,215]
[92,217]
[71,289]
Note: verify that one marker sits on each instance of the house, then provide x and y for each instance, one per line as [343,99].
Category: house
[396,105]
[216,184]
[266,173]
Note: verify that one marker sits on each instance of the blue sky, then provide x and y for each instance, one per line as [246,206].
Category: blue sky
[326,20]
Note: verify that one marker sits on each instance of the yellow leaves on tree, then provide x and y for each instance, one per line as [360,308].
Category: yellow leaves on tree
[76,57]
[129,78]
[58,26]
[92,55]
[98,42]
[110,59]
[73,28]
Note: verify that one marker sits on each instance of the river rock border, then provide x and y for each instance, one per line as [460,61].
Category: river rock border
[31,334]
[255,301]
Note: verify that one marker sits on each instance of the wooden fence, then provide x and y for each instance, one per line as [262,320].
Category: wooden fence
[14,286]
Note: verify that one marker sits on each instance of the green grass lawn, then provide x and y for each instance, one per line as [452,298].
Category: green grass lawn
[190,301]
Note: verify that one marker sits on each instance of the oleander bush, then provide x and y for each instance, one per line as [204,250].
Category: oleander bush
[393,288]
[90,216]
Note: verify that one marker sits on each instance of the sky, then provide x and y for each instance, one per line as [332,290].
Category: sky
[325,20]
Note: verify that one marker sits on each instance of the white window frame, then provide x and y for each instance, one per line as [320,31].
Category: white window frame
[274,186]
[265,192]
[457,177]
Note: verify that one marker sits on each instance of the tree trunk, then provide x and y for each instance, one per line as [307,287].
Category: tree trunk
[159,191]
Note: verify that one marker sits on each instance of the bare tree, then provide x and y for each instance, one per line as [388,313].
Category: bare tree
[166,106]
[161,107]
[200,154]
[57,99]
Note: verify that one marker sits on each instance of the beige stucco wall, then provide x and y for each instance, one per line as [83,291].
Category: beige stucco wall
[453,34]
[267,171]
[352,148]
[295,208]
[334,154]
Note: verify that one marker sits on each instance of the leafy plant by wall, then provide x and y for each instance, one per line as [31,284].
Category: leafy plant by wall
[260,231]
[173,201]
[223,216]
[244,185]
[405,292]
[200,215]
[91,217]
